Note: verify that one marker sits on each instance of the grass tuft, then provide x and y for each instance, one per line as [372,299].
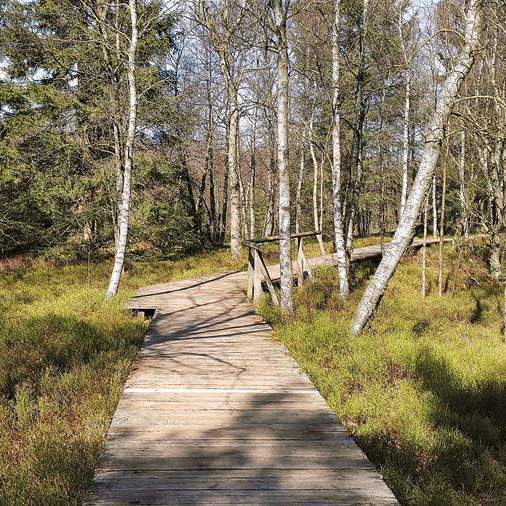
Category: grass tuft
[65,353]
[423,390]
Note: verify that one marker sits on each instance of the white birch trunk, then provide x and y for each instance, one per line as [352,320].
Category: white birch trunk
[424,249]
[405,145]
[298,194]
[462,189]
[252,183]
[435,134]
[342,262]
[434,207]
[285,254]
[233,175]
[316,223]
[124,210]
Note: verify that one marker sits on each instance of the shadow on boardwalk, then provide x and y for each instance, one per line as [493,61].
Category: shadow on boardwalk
[216,412]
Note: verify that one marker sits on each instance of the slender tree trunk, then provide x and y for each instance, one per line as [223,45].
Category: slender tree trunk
[271,193]
[405,145]
[358,128]
[424,248]
[434,206]
[235,203]
[298,194]
[316,224]
[322,173]
[252,183]
[214,226]
[124,211]
[224,203]
[442,226]
[341,256]
[435,135]
[285,254]
[462,189]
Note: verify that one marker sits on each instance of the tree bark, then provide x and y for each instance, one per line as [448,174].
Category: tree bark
[435,135]
[342,259]
[298,194]
[316,224]
[434,206]
[285,254]
[424,248]
[124,211]
[358,129]
[233,175]
[405,144]
[462,189]
[442,225]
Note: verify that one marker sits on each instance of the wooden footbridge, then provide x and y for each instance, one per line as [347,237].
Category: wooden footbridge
[217,412]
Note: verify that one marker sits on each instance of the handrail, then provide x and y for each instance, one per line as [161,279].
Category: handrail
[258,271]
[272,238]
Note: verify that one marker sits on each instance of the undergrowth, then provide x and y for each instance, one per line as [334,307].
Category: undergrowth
[64,356]
[424,389]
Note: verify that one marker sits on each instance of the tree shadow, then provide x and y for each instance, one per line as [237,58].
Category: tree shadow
[230,419]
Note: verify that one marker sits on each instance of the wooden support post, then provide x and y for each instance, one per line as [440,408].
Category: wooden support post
[268,281]
[251,270]
[300,261]
[257,276]
[319,237]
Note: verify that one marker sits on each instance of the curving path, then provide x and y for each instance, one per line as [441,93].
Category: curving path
[217,412]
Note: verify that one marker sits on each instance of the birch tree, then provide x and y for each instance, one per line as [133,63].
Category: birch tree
[124,209]
[433,139]
[403,6]
[342,260]
[223,22]
[281,8]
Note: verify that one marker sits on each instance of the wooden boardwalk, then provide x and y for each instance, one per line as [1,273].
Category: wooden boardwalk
[217,412]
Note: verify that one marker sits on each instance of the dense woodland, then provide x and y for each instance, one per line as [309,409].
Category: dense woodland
[143,141]
[173,127]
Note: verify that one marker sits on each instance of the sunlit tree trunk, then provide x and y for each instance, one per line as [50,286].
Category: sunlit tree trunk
[405,144]
[271,194]
[442,225]
[434,206]
[233,174]
[285,254]
[298,194]
[342,260]
[435,135]
[252,182]
[316,224]
[462,188]
[124,210]
[424,248]
[358,128]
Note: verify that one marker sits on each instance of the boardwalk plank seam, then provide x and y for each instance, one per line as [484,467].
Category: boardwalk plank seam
[217,412]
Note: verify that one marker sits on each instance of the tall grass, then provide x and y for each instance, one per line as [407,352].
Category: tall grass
[424,389]
[64,356]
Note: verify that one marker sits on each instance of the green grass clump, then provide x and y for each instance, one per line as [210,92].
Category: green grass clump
[64,356]
[424,389]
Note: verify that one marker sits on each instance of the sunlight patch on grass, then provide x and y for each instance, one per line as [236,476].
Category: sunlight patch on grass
[65,353]
[424,389]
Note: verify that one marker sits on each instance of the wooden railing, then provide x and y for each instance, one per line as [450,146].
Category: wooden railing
[259,273]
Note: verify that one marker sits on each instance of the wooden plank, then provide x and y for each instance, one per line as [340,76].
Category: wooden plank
[216,412]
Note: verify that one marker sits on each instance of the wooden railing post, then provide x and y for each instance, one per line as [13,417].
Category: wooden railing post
[257,276]
[268,281]
[251,271]
[300,262]
[319,237]
[257,270]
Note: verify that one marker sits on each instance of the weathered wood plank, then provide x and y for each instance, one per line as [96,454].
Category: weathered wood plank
[216,412]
